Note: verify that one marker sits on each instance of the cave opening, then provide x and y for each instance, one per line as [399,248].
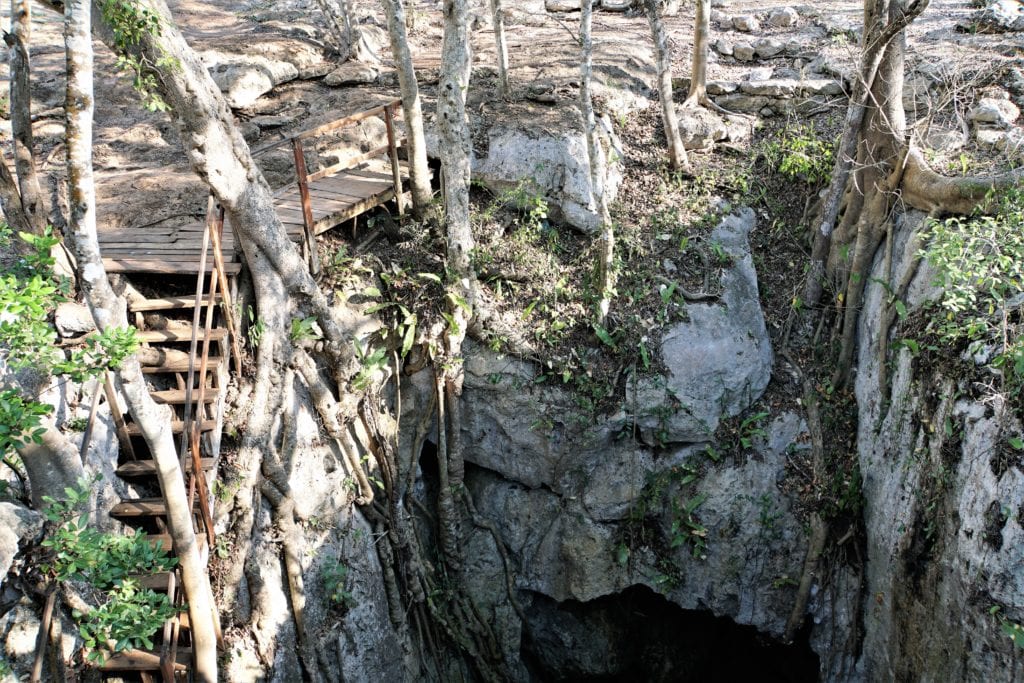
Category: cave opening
[639,636]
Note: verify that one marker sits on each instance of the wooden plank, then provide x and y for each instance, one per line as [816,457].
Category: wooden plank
[336,219]
[140,507]
[147,468]
[143,660]
[133,429]
[345,121]
[162,266]
[175,366]
[177,396]
[349,162]
[165,303]
[179,335]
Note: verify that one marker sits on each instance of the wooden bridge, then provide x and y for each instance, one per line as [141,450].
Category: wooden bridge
[189,343]
[314,203]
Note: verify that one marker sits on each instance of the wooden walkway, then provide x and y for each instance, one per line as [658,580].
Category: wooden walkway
[189,343]
[314,203]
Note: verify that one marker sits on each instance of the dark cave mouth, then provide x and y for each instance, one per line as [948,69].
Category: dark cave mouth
[639,636]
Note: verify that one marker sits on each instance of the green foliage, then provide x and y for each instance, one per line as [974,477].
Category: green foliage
[29,293]
[304,329]
[980,266]
[670,491]
[1011,629]
[372,363]
[799,154]
[129,615]
[128,619]
[132,24]
[335,580]
[256,328]
[752,427]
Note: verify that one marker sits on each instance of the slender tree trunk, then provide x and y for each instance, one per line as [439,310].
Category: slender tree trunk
[595,159]
[455,161]
[701,37]
[419,173]
[33,201]
[109,312]
[498,19]
[10,200]
[676,152]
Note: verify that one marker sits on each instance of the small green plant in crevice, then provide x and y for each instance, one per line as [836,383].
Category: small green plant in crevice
[304,329]
[372,362]
[752,428]
[127,615]
[799,153]
[1011,629]
[131,24]
[256,327]
[669,494]
[335,580]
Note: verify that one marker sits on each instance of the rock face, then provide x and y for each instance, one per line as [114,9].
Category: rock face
[993,111]
[16,523]
[944,532]
[557,165]
[1001,15]
[784,17]
[719,361]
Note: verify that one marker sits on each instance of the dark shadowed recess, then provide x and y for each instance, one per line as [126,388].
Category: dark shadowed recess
[637,636]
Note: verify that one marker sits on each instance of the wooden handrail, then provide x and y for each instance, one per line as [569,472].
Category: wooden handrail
[326,127]
[350,162]
[307,205]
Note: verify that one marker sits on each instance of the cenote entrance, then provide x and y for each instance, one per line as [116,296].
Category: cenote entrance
[637,636]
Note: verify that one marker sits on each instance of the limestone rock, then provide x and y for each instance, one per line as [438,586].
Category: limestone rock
[784,17]
[244,79]
[721,18]
[746,23]
[719,361]
[352,73]
[701,128]
[72,319]
[766,48]
[744,51]
[557,164]
[1001,15]
[616,5]
[994,111]
[561,6]
[371,44]
[724,47]
[16,523]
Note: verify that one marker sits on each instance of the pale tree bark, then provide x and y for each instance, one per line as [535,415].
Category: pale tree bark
[10,200]
[676,152]
[455,167]
[109,312]
[341,26]
[701,37]
[595,159]
[33,201]
[419,173]
[498,19]
[876,42]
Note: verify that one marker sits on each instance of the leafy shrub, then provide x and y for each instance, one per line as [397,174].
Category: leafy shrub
[800,154]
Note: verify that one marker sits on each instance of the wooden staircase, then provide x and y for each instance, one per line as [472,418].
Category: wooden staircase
[187,343]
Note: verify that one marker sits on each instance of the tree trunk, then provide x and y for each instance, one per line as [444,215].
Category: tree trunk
[701,36]
[498,19]
[876,41]
[33,201]
[109,312]
[52,465]
[419,173]
[595,159]
[455,162]
[676,152]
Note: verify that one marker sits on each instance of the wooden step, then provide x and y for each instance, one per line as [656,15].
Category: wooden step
[165,542]
[180,335]
[177,396]
[155,582]
[168,303]
[142,507]
[164,266]
[212,363]
[133,428]
[146,468]
[145,660]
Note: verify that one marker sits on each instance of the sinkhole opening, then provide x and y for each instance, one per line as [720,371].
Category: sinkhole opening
[639,636]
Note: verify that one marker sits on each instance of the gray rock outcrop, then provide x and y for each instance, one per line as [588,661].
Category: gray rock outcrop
[719,361]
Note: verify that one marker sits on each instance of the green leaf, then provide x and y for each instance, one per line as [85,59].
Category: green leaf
[901,308]
[604,336]
[1016,442]
[429,276]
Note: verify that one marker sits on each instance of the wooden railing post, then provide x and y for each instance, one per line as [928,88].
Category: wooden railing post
[307,207]
[396,171]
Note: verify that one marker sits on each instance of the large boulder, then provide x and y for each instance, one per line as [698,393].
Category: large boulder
[556,164]
[244,79]
[719,361]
